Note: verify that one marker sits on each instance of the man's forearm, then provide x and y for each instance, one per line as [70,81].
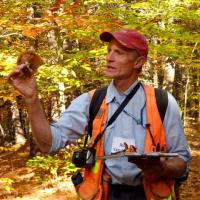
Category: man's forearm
[39,124]
[174,168]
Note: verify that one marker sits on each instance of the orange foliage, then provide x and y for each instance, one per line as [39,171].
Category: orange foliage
[1,67]
[56,5]
[32,32]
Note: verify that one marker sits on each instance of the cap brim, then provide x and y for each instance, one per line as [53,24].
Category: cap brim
[106,36]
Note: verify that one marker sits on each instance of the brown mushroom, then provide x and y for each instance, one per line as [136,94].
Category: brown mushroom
[31,62]
[130,149]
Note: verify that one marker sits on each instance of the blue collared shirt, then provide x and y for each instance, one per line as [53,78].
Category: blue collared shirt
[129,125]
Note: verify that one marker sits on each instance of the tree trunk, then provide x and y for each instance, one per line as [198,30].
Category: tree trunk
[7,127]
[169,75]
[185,100]
[179,85]
[19,132]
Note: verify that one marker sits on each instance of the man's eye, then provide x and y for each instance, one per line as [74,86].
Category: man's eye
[120,52]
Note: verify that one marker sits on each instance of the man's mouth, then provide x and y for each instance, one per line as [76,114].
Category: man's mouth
[110,67]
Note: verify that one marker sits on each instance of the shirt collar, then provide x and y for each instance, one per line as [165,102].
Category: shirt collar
[113,93]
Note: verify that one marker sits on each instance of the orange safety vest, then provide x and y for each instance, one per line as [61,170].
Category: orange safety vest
[95,185]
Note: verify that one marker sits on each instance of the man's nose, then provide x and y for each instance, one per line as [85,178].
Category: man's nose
[110,56]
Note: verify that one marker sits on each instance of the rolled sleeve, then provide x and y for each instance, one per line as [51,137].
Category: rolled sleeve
[71,124]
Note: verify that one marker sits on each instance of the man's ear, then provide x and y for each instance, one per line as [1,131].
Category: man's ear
[139,62]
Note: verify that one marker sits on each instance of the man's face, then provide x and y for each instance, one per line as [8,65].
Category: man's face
[120,62]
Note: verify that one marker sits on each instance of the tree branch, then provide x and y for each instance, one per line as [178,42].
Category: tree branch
[7,35]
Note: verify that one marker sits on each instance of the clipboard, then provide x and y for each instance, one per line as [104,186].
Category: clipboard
[137,155]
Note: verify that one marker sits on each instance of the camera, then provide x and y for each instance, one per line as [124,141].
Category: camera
[77,178]
[84,157]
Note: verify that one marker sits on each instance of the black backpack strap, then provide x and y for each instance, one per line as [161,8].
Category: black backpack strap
[95,105]
[162,101]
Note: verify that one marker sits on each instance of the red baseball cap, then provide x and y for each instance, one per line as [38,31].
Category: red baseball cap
[128,38]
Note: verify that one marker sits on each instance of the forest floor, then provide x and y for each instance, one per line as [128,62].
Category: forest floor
[27,186]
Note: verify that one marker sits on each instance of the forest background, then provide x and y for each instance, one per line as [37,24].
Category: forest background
[65,33]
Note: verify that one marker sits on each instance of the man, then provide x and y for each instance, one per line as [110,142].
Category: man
[133,178]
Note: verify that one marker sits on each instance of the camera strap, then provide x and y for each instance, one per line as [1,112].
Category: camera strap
[114,116]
